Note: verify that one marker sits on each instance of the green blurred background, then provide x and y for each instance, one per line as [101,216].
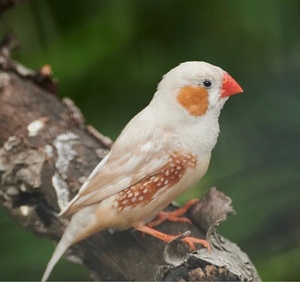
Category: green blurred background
[109,57]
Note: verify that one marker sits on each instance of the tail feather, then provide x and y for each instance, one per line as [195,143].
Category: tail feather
[75,232]
[59,251]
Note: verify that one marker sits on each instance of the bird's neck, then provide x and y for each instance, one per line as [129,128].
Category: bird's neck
[195,134]
[200,136]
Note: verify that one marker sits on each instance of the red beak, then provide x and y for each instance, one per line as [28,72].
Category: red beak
[230,86]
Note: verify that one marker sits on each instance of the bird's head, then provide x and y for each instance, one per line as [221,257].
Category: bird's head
[197,87]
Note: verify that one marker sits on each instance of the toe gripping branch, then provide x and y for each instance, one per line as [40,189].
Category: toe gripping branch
[226,259]
[206,214]
[174,216]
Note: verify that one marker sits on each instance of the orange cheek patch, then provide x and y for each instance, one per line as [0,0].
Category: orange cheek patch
[194,99]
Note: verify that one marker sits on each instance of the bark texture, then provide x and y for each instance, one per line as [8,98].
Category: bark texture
[46,152]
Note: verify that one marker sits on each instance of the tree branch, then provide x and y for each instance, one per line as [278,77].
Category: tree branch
[46,152]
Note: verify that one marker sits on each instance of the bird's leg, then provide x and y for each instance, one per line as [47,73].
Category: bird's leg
[190,241]
[174,216]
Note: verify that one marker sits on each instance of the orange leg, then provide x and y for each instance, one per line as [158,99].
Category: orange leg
[175,216]
[190,241]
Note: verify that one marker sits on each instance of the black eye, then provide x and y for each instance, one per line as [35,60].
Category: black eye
[207,83]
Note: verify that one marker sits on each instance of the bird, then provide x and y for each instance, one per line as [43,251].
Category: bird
[161,152]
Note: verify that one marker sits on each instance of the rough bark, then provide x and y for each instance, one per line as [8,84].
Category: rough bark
[46,152]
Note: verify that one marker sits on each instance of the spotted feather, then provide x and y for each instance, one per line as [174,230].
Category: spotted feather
[126,165]
[146,190]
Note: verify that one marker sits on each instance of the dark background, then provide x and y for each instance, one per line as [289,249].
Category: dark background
[109,56]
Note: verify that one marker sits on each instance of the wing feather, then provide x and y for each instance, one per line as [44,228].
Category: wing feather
[132,158]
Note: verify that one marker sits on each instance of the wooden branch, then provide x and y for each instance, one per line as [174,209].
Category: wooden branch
[46,152]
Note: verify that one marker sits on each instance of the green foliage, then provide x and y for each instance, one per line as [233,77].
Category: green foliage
[109,56]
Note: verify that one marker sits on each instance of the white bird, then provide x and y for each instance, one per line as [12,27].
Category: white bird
[160,153]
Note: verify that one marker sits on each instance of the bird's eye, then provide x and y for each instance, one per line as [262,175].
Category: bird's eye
[207,83]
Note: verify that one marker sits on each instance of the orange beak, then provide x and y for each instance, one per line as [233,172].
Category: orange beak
[230,86]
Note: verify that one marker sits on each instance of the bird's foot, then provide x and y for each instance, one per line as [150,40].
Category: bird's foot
[174,216]
[189,241]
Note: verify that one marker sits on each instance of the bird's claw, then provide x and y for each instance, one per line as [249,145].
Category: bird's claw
[174,216]
[191,241]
